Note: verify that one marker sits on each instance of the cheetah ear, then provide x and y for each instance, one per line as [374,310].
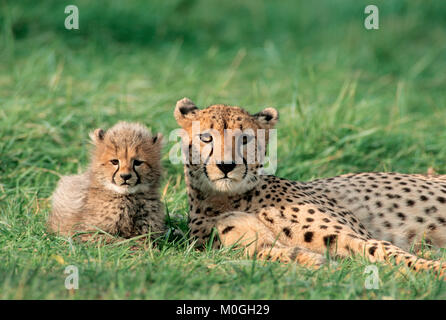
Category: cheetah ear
[185,112]
[97,136]
[267,118]
[158,139]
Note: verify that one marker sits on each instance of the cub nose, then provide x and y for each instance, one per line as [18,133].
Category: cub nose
[226,167]
[126,176]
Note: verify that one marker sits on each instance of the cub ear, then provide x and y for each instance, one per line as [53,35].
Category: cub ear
[185,112]
[267,118]
[97,136]
[158,139]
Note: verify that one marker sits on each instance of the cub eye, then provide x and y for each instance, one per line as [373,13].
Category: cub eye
[206,137]
[114,162]
[137,162]
[246,139]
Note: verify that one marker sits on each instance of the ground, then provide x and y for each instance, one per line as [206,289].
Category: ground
[351,100]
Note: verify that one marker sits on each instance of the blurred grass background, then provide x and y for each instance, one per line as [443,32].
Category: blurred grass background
[350,99]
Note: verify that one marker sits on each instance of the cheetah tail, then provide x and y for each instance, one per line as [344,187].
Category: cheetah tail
[378,250]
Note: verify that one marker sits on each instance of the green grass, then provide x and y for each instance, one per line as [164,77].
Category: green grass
[350,100]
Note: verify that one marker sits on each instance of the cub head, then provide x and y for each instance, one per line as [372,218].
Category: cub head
[126,158]
[223,146]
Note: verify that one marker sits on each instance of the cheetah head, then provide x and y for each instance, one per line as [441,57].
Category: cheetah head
[126,158]
[224,146]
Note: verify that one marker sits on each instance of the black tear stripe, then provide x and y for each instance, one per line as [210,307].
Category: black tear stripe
[246,168]
[206,162]
[114,174]
[239,148]
[211,153]
[205,170]
[138,181]
[190,153]
[245,162]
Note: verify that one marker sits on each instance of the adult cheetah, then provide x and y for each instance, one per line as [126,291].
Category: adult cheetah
[279,219]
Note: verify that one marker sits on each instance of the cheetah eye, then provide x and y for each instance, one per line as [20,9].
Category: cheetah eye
[114,162]
[206,137]
[137,162]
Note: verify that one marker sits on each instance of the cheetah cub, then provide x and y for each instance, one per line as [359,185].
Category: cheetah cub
[118,193]
[284,220]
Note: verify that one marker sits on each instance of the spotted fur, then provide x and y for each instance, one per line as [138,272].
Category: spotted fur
[405,209]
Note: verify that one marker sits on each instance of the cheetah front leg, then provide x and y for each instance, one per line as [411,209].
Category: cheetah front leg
[95,232]
[242,229]
[95,237]
[151,223]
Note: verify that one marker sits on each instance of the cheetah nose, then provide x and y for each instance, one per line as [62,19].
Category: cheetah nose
[126,176]
[226,167]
